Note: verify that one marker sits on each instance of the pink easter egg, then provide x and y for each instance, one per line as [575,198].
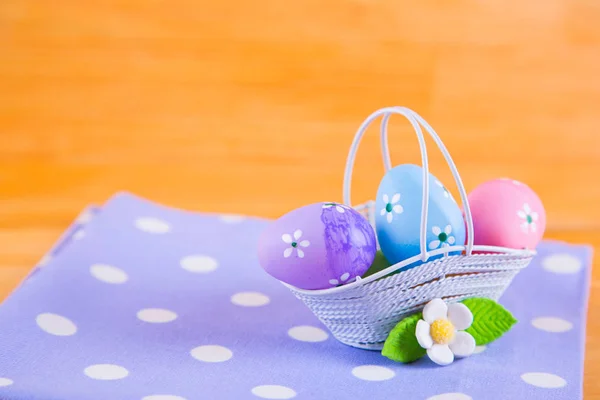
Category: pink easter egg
[507,213]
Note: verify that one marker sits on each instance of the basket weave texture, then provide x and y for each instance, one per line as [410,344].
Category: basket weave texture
[362,314]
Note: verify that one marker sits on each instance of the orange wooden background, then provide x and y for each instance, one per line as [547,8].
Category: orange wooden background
[250,107]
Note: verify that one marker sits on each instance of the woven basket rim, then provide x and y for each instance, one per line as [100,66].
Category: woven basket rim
[495,250]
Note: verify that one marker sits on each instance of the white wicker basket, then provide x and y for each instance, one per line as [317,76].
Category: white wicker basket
[361,314]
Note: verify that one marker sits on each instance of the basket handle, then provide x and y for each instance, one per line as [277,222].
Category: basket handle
[414,119]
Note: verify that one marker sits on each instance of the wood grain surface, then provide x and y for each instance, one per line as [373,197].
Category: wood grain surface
[250,107]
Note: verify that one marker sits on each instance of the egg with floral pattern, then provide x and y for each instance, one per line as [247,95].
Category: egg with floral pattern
[318,246]
[398,215]
[507,213]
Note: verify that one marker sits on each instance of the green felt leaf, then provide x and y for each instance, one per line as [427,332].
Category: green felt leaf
[490,320]
[401,344]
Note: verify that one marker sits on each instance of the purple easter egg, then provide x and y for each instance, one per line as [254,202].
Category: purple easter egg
[318,246]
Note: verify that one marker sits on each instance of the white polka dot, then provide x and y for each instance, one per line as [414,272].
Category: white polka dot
[552,324]
[106,372]
[544,380]
[108,273]
[250,299]
[479,349]
[232,219]
[198,263]
[373,373]
[156,315]
[274,392]
[308,334]
[450,396]
[163,397]
[152,225]
[6,382]
[79,234]
[44,260]
[562,264]
[55,324]
[211,353]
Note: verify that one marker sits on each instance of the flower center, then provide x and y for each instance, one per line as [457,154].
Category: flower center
[442,331]
[529,219]
[294,244]
[443,236]
[388,207]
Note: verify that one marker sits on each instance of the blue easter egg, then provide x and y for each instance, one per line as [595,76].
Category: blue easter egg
[398,215]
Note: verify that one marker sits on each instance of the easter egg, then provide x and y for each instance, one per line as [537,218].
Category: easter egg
[507,213]
[398,215]
[318,246]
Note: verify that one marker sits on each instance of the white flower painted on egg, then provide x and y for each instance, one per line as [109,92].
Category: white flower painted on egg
[338,207]
[440,184]
[529,218]
[295,244]
[447,193]
[342,279]
[391,207]
[444,238]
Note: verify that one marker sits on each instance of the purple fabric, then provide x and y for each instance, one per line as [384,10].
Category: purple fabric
[100,282]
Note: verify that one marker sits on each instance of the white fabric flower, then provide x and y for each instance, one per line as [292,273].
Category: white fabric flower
[339,207]
[343,278]
[444,239]
[294,243]
[442,331]
[391,207]
[530,217]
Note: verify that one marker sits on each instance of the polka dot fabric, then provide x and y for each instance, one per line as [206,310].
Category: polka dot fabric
[143,302]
